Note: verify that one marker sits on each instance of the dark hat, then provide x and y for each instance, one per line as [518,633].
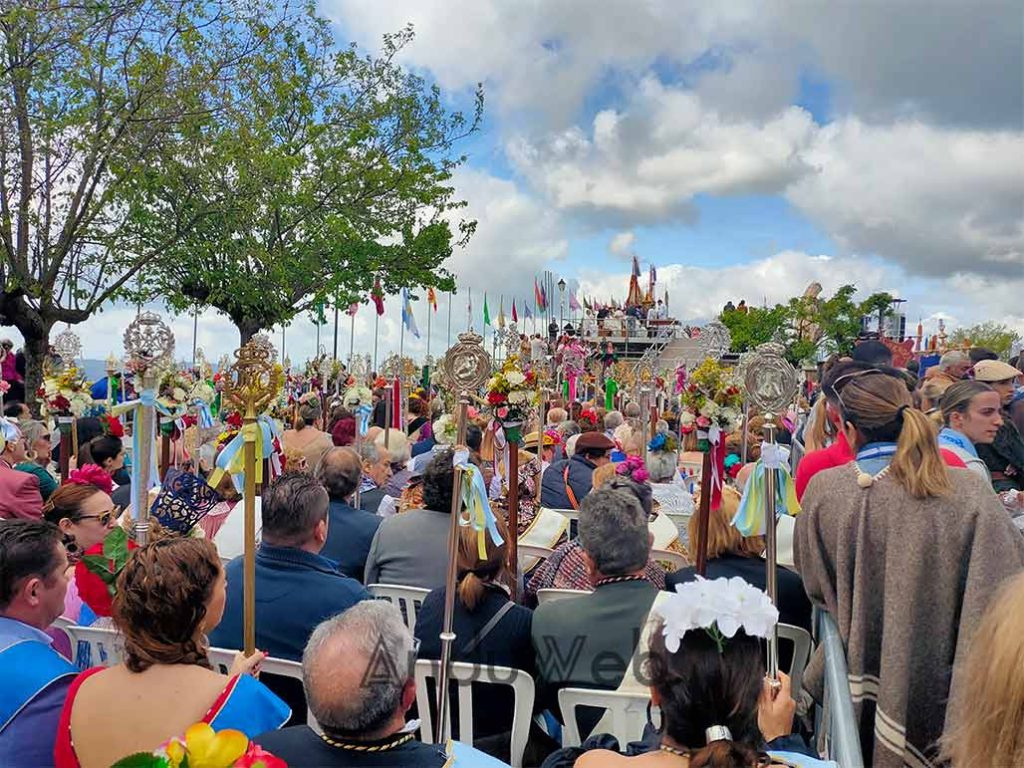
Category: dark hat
[593,441]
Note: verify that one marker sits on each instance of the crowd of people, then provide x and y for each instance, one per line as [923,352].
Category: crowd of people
[911,488]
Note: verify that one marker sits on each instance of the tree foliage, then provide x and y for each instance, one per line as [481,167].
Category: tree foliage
[334,169]
[93,97]
[756,326]
[991,335]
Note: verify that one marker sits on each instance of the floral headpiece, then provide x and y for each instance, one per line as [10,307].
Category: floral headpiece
[633,468]
[663,441]
[720,607]
[587,420]
[555,435]
[92,474]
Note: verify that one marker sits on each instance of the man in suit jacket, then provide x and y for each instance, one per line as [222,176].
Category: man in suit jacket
[589,641]
[351,530]
[19,491]
[574,474]
[376,469]
[296,588]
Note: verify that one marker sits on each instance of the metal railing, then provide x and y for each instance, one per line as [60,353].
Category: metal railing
[837,725]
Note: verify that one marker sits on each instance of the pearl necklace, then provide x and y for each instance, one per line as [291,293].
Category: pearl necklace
[864,480]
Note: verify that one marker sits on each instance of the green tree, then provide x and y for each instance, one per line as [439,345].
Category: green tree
[758,325]
[334,169]
[833,323]
[93,97]
[990,335]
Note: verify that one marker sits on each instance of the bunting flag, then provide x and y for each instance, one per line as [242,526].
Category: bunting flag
[432,298]
[537,296]
[377,294]
[515,315]
[527,314]
[321,317]
[501,312]
[407,318]
[574,304]
[543,298]
[487,312]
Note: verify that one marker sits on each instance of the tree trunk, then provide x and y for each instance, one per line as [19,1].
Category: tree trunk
[37,349]
[247,328]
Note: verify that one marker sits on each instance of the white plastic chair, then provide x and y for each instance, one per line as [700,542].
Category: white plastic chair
[572,514]
[93,646]
[463,676]
[674,559]
[222,658]
[552,594]
[408,599]
[626,711]
[801,640]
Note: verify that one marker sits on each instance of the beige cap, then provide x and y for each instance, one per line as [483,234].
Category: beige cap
[994,370]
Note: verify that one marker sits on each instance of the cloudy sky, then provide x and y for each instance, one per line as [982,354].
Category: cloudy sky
[745,149]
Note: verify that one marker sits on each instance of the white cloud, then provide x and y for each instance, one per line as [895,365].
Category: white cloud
[622,244]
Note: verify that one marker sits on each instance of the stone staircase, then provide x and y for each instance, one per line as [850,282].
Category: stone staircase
[680,349]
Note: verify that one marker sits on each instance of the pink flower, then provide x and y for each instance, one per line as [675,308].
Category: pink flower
[5,386]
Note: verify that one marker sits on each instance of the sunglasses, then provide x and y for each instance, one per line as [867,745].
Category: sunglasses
[847,377]
[103,517]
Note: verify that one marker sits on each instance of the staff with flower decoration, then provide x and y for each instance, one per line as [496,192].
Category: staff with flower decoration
[512,394]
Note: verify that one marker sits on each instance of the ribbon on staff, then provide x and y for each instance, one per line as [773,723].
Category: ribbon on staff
[231,460]
[750,518]
[475,508]
[715,441]
[147,399]
[363,413]
[204,417]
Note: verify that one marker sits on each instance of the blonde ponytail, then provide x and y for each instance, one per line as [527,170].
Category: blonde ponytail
[471,591]
[918,464]
[818,435]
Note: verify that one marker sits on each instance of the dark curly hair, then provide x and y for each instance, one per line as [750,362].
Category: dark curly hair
[438,478]
[701,687]
[161,600]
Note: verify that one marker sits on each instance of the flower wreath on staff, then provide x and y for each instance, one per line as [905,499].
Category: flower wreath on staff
[712,403]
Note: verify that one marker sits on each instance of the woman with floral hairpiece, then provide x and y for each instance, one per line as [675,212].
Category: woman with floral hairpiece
[905,552]
[705,671]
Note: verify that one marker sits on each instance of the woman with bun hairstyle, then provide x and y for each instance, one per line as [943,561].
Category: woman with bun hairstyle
[904,552]
[306,437]
[170,595]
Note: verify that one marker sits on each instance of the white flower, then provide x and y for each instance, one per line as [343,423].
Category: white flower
[710,409]
[517,397]
[178,394]
[728,604]
[515,378]
[730,416]
[687,419]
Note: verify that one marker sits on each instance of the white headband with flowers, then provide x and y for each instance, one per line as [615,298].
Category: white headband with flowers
[720,607]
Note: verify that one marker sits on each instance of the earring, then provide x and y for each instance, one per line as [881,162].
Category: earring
[70,545]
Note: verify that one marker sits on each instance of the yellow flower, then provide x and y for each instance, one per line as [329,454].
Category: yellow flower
[175,752]
[207,749]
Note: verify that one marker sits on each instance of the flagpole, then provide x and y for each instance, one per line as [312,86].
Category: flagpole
[450,318]
[352,342]
[428,329]
[376,336]
[335,355]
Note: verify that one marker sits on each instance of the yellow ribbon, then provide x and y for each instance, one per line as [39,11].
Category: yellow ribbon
[232,458]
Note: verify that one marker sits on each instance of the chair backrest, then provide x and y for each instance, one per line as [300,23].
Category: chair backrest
[221,660]
[551,594]
[801,640]
[572,514]
[625,718]
[408,599]
[674,560]
[94,646]
[463,676]
[531,555]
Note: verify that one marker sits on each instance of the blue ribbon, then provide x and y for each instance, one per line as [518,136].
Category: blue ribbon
[147,398]
[477,508]
[268,431]
[363,413]
[204,418]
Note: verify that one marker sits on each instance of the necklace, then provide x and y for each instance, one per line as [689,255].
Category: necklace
[369,747]
[864,480]
[619,579]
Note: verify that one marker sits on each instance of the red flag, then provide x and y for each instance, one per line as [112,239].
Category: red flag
[378,297]
[537,295]
[515,316]
[432,298]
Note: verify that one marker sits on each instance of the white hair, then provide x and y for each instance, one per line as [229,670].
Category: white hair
[950,359]
[570,446]
[398,448]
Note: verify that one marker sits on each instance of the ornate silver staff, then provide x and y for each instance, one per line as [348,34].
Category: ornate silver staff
[149,348]
[68,346]
[464,369]
[770,382]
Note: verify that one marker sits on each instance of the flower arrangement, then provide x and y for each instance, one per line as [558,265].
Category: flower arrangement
[202,390]
[633,468]
[720,607]
[67,393]
[96,574]
[587,420]
[664,442]
[446,429]
[711,397]
[512,394]
[175,387]
[203,747]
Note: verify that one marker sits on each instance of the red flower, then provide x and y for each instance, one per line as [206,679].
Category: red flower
[234,420]
[496,398]
[114,427]
[91,588]
[91,474]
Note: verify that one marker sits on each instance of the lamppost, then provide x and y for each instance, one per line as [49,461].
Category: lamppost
[561,304]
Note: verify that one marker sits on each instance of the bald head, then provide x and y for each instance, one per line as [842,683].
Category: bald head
[357,671]
[339,471]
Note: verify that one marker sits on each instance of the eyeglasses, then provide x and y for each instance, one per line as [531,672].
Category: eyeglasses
[103,517]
